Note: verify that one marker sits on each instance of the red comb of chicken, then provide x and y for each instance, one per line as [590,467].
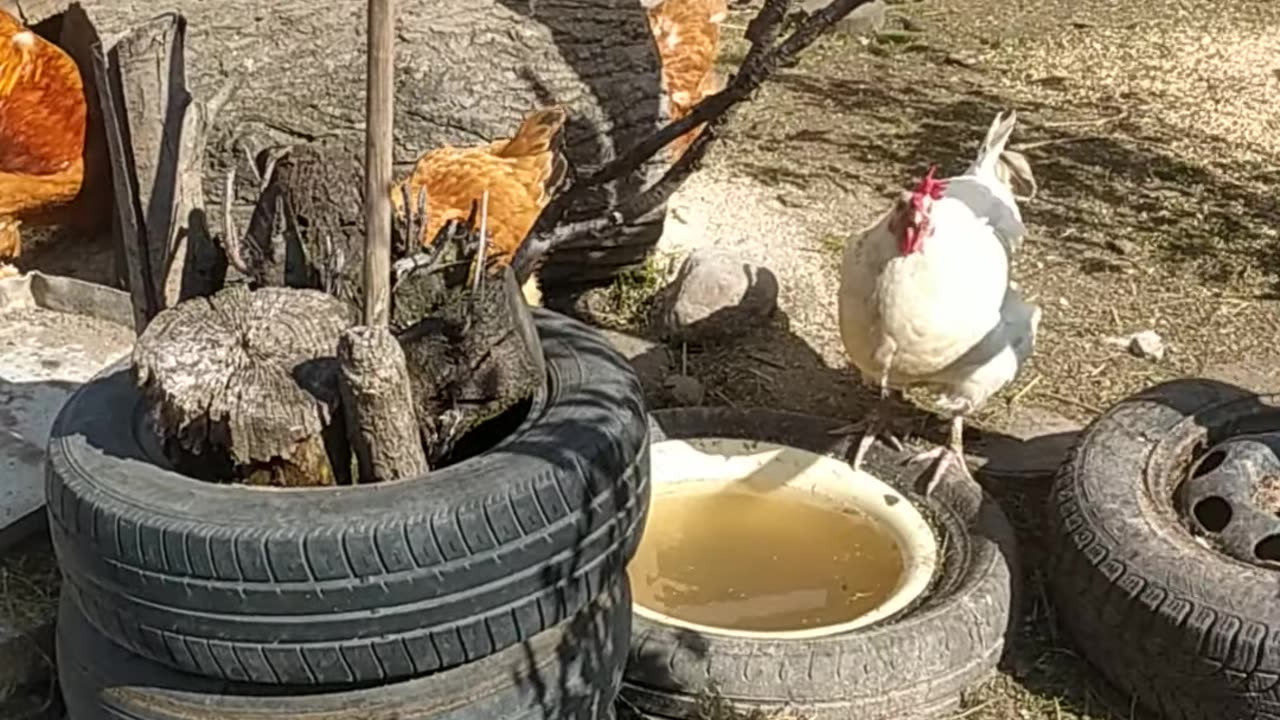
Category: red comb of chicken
[928,187]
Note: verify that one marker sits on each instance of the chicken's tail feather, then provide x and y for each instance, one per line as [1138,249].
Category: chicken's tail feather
[994,143]
[541,137]
[539,133]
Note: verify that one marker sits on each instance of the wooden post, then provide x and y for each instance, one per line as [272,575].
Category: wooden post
[378,130]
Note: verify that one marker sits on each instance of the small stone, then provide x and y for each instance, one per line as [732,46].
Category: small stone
[715,294]
[962,59]
[685,390]
[1146,344]
[867,19]
[650,360]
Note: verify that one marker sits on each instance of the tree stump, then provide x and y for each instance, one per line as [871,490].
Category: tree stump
[243,386]
[307,229]
[378,406]
[471,355]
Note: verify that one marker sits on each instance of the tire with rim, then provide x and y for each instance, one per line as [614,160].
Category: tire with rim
[1190,632]
[570,672]
[914,665]
[354,584]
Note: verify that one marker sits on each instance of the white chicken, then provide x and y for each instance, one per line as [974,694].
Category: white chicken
[925,298]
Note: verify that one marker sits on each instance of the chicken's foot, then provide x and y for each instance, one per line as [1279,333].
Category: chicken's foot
[7,270]
[872,426]
[941,456]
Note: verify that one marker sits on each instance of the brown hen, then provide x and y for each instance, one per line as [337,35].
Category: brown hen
[687,33]
[521,174]
[43,116]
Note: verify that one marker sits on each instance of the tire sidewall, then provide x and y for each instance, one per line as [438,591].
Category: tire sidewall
[1162,614]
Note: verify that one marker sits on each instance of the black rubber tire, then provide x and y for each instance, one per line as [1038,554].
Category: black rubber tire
[571,671]
[354,584]
[1188,631]
[914,665]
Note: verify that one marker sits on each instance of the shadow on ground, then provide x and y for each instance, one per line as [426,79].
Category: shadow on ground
[1101,183]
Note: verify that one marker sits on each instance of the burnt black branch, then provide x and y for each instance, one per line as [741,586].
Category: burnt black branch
[765,56]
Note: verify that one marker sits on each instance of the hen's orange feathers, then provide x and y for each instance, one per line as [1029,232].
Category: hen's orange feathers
[43,114]
[42,103]
[687,33]
[521,174]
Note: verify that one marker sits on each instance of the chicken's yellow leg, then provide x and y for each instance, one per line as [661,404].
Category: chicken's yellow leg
[953,451]
[872,425]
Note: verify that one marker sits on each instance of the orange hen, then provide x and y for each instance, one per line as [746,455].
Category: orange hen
[43,116]
[521,174]
[687,33]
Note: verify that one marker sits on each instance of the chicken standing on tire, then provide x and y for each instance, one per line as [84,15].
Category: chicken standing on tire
[925,296]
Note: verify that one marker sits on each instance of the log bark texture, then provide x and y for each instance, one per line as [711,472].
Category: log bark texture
[472,355]
[156,130]
[466,72]
[377,403]
[244,386]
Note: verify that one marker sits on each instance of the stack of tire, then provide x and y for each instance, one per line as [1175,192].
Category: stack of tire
[491,589]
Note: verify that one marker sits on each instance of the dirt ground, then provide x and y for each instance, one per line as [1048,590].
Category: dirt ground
[1152,131]
[1153,135]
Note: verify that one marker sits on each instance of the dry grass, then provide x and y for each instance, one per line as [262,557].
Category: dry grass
[28,585]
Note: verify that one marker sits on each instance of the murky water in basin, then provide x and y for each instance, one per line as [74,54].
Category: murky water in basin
[733,558]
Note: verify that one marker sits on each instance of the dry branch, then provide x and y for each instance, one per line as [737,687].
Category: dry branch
[244,385]
[155,134]
[381,424]
[763,59]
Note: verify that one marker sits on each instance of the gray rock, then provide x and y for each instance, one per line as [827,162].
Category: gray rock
[685,390]
[650,360]
[715,294]
[867,19]
[1146,344]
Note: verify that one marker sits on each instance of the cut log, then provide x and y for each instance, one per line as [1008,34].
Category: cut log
[243,386]
[471,355]
[378,406]
[321,219]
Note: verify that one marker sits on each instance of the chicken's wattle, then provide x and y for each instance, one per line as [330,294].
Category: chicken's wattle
[915,222]
[915,228]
